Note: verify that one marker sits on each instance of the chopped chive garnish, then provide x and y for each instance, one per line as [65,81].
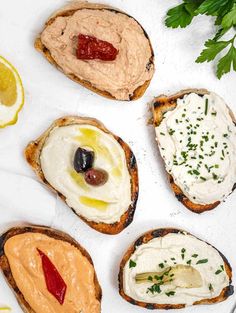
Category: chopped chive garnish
[170,293]
[154,288]
[161,265]
[171,131]
[202,261]
[215,177]
[194,255]
[150,278]
[132,263]
[206,107]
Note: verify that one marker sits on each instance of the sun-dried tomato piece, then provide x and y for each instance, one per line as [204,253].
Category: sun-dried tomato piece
[91,48]
[55,283]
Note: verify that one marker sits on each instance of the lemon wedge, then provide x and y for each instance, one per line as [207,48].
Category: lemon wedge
[11,93]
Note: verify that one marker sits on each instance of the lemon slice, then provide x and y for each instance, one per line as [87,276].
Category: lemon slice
[11,93]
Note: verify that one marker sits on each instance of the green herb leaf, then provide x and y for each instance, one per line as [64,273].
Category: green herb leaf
[192,6]
[132,263]
[215,7]
[178,17]
[221,32]
[225,13]
[225,63]
[218,272]
[230,18]
[211,51]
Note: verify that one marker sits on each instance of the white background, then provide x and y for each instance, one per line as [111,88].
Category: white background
[50,95]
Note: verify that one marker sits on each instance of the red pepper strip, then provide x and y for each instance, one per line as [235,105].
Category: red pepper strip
[55,283]
[90,48]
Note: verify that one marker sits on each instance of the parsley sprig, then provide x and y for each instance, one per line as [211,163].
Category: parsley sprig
[225,13]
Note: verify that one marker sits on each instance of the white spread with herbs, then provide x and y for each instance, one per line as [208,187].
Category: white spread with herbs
[197,141]
[161,254]
[105,203]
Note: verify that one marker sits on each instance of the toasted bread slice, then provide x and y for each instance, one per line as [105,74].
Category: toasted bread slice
[58,235]
[161,105]
[69,10]
[32,155]
[225,293]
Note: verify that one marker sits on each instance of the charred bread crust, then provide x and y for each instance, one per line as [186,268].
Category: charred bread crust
[56,234]
[161,105]
[67,11]
[161,232]
[32,155]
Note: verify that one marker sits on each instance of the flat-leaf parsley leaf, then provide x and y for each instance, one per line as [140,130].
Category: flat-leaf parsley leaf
[225,13]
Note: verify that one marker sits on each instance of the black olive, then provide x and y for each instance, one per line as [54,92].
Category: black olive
[83,160]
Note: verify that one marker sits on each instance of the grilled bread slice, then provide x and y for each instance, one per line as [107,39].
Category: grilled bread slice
[33,153]
[160,106]
[129,262]
[51,233]
[68,11]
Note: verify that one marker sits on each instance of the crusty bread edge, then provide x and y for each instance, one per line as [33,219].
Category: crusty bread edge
[32,155]
[67,11]
[56,234]
[161,232]
[160,105]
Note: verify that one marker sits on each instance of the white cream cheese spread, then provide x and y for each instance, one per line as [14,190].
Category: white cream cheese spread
[105,203]
[173,250]
[197,141]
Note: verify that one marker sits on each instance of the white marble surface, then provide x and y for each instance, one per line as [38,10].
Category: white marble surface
[50,95]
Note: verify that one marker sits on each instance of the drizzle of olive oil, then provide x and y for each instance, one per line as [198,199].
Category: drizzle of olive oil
[79,179]
[94,203]
[116,171]
[91,138]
